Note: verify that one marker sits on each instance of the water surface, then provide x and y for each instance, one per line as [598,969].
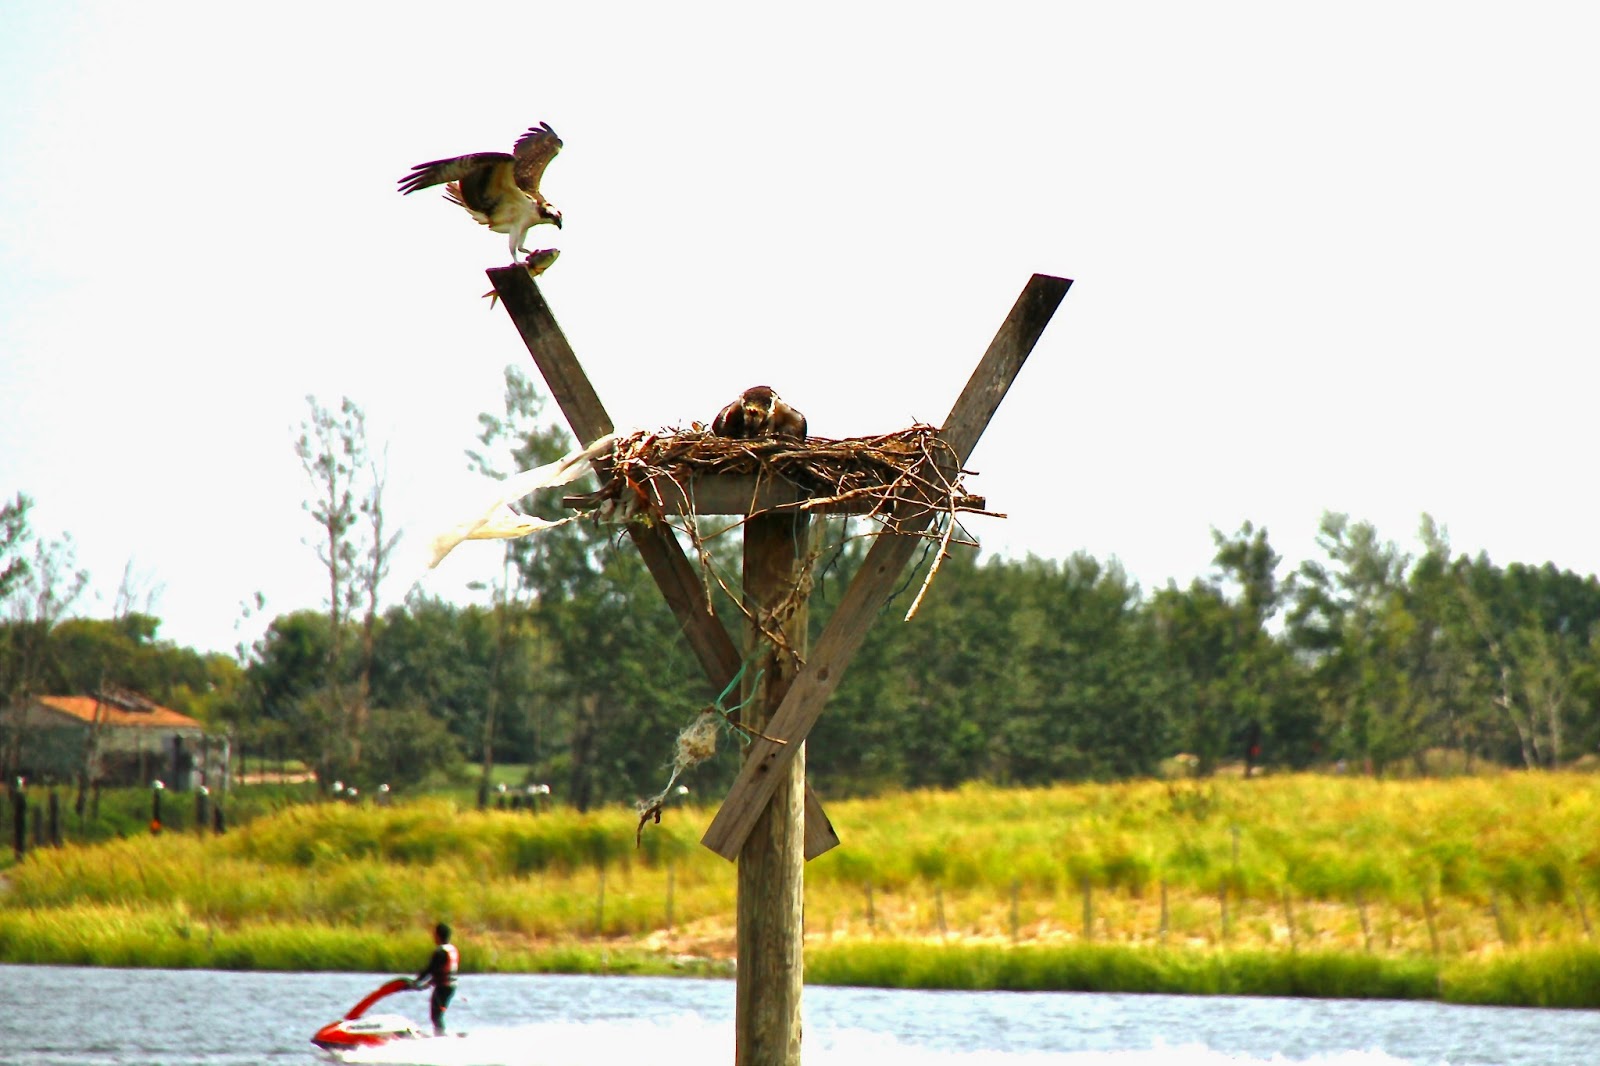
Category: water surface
[70,1016]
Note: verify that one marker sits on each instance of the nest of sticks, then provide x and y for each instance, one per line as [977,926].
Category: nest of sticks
[909,482]
[902,479]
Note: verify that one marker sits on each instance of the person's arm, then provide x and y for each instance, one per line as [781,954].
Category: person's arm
[423,979]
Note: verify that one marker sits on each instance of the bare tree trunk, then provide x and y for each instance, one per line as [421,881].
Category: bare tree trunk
[1527,733]
[91,746]
[584,731]
[333,451]
[36,589]
[372,575]
[1526,736]
[496,671]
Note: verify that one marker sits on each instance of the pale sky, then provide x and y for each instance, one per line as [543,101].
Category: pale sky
[1327,257]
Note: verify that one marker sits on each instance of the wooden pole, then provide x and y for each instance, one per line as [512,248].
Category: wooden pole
[771,966]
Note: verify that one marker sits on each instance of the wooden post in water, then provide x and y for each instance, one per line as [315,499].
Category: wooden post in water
[772,859]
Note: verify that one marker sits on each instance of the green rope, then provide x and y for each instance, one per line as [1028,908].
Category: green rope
[732,683]
[728,712]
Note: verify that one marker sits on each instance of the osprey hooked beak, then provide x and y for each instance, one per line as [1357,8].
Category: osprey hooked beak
[553,213]
[759,412]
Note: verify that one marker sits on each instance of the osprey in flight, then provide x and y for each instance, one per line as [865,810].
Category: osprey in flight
[501,191]
[759,412]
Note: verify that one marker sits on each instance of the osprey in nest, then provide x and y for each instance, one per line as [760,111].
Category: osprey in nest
[759,412]
[501,191]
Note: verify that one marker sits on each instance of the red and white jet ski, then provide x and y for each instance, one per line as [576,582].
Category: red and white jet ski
[356,1031]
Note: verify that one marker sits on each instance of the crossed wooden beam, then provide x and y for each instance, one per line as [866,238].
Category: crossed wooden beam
[868,591]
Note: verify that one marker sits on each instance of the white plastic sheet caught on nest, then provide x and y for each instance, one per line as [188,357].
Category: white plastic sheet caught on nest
[497,520]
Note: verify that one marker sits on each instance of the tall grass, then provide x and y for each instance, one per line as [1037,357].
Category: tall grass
[173,938]
[1479,889]
[1088,968]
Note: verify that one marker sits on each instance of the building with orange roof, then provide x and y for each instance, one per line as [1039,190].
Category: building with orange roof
[118,738]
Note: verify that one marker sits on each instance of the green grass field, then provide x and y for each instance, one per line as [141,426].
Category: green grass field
[1470,889]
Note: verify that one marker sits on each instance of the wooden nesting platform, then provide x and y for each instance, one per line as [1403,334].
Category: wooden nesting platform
[906,479]
[798,709]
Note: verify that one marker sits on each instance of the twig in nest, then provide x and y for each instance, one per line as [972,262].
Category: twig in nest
[751,731]
[950,523]
[704,555]
[944,553]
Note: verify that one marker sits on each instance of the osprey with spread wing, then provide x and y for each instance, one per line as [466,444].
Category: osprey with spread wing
[501,191]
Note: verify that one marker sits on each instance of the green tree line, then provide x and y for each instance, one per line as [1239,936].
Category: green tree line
[1023,672]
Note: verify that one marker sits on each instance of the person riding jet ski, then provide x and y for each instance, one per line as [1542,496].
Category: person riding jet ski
[440,973]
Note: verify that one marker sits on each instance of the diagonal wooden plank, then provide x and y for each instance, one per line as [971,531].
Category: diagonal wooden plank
[998,368]
[587,416]
[662,554]
[870,589]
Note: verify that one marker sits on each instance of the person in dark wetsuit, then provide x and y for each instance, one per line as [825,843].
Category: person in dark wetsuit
[441,974]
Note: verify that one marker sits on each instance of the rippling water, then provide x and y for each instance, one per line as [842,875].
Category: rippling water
[56,1016]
